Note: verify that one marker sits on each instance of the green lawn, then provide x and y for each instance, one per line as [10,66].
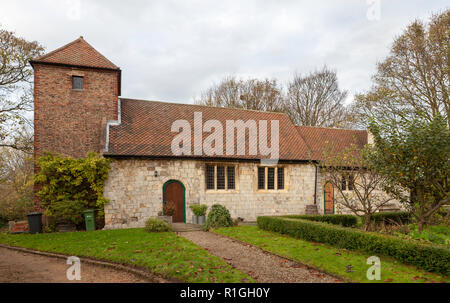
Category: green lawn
[162,253]
[349,265]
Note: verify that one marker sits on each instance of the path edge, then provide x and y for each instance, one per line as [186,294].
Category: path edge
[343,279]
[145,274]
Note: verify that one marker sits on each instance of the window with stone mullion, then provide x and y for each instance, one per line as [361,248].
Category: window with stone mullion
[220,177]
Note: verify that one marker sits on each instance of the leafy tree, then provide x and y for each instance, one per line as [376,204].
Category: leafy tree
[253,94]
[16,184]
[414,157]
[316,100]
[15,88]
[68,179]
[414,78]
[350,166]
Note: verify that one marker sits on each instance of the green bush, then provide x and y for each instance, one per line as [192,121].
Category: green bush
[66,211]
[390,218]
[428,257]
[344,220]
[3,220]
[199,210]
[434,234]
[218,217]
[65,178]
[157,225]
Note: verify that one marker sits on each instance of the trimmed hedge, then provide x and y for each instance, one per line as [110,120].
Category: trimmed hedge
[344,220]
[391,217]
[430,258]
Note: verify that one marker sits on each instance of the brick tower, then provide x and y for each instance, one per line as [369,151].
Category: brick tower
[76,91]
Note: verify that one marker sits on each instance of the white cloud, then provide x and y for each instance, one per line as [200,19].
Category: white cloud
[171,50]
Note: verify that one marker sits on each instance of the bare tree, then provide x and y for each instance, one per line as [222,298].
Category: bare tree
[414,78]
[316,100]
[16,184]
[253,94]
[365,196]
[15,88]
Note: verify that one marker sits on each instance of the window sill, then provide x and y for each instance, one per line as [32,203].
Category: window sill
[77,90]
[271,191]
[221,191]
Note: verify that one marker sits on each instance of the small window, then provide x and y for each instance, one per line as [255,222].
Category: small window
[209,177]
[350,184]
[270,178]
[261,177]
[230,177]
[77,82]
[344,183]
[280,177]
[270,174]
[220,177]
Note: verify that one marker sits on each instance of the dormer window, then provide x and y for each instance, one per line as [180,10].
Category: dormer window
[77,82]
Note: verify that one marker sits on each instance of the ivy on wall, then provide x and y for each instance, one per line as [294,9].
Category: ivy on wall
[68,179]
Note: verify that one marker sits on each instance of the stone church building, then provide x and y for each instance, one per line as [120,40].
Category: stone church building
[78,108]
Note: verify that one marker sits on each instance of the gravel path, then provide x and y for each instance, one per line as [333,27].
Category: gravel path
[262,266]
[26,267]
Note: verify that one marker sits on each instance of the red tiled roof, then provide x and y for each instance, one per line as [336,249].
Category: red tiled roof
[77,53]
[318,138]
[145,129]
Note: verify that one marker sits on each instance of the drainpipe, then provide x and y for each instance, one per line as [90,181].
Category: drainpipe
[315,186]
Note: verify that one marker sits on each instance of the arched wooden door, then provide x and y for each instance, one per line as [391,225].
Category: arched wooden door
[174,191]
[328,193]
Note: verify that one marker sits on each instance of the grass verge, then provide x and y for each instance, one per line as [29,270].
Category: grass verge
[350,265]
[162,253]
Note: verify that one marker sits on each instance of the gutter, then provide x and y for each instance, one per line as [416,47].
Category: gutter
[198,158]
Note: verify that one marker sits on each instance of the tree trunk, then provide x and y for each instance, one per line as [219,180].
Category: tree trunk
[367,222]
[421,201]
[420,225]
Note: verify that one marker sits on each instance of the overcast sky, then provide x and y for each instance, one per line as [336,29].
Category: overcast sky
[172,50]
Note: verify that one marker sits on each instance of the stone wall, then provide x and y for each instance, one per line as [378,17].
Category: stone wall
[136,194]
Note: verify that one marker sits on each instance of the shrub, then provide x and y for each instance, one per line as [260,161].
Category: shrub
[68,179]
[390,218]
[3,220]
[434,234]
[169,208]
[157,225]
[218,217]
[428,257]
[16,185]
[344,220]
[199,210]
[66,211]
